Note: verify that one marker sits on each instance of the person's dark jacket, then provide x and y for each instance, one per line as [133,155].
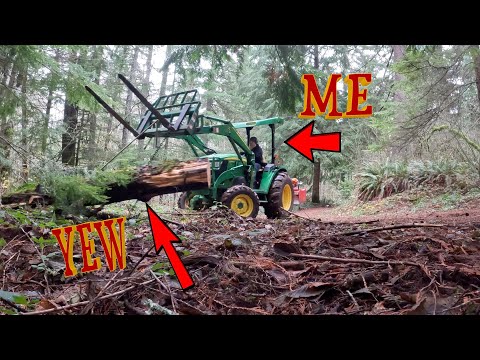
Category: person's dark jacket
[257,150]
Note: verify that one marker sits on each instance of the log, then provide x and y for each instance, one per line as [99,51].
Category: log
[150,181]
[29,198]
[147,182]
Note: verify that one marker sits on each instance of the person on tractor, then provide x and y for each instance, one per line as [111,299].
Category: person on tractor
[257,150]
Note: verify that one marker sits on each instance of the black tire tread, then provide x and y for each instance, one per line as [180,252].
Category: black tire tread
[235,190]
[274,206]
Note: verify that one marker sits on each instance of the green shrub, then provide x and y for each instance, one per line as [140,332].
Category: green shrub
[346,188]
[72,193]
[381,180]
[378,181]
[74,188]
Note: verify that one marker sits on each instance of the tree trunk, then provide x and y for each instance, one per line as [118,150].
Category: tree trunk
[209,104]
[316,164]
[398,54]
[6,127]
[6,71]
[92,118]
[79,138]
[316,60]
[128,104]
[70,120]
[148,72]
[399,98]
[476,61]
[316,182]
[108,134]
[146,86]
[24,127]
[46,120]
[116,95]
[163,83]
[92,141]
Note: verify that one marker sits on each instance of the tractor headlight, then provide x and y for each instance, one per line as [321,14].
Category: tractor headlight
[216,164]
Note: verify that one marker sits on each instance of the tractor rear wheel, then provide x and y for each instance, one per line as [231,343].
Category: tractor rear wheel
[280,196]
[242,200]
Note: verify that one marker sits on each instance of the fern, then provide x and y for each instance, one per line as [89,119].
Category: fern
[378,181]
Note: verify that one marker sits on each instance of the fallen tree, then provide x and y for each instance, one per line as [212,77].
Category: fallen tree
[150,181]
[142,184]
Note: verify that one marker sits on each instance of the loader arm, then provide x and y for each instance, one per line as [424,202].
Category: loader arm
[227,130]
[179,117]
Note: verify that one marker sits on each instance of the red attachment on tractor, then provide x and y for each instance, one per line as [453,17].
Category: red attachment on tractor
[300,194]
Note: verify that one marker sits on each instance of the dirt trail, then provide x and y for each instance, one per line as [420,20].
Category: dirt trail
[470,213]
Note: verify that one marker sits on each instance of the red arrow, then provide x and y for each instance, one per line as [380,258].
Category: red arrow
[304,141]
[164,238]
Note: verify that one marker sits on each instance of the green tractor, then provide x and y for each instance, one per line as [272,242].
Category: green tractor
[234,181]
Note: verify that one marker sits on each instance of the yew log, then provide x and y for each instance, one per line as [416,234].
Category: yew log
[147,182]
[150,181]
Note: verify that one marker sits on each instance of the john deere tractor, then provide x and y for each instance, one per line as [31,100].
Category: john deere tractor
[234,181]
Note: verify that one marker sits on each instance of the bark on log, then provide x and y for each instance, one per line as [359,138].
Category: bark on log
[151,181]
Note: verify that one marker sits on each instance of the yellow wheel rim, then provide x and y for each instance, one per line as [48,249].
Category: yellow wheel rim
[242,205]
[287,197]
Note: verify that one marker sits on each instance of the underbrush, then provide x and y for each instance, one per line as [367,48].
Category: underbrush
[378,181]
[424,197]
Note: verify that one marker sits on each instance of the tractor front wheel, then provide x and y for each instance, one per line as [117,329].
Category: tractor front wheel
[280,196]
[242,200]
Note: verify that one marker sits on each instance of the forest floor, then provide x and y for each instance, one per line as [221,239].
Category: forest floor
[371,259]
[402,211]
